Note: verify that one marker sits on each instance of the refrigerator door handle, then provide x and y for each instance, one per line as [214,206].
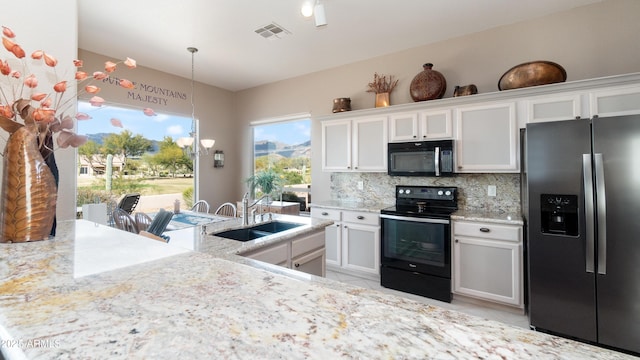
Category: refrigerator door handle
[436,160]
[601,216]
[587,175]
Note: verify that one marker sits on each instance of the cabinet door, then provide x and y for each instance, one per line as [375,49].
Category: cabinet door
[488,269]
[370,144]
[436,125]
[553,108]
[277,254]
[361,247]
[403,127]
[311,263]
[336,145]
[487,138]
[616,102]
[333,244]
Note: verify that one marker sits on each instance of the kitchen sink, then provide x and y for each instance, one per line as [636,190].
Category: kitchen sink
[245,234]
[257,231]
[275,226]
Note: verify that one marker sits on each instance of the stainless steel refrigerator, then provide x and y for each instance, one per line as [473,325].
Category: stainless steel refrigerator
[583,237]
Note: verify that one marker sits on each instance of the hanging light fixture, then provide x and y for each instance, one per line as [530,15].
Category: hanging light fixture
[187,143]
[315,8]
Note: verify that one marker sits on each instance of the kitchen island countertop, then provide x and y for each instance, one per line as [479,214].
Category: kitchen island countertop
[198,305]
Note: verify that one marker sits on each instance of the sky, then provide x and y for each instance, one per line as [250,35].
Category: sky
[291,133]
[161,125]
[150,127]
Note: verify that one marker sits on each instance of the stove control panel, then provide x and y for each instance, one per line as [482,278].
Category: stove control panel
[426,192]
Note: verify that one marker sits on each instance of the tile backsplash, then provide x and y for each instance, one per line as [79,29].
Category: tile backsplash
[472,189]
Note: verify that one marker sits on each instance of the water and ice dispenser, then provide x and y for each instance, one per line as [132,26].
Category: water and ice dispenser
[559,214]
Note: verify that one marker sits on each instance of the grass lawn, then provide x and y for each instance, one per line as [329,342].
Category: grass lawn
[154,186]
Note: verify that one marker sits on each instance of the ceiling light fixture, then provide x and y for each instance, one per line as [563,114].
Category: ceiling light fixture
[187,143]
[315,8]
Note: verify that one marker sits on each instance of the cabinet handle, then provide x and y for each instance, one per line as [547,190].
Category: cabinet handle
[414,136]
[457,240]
[345,226]
[356,167]
[485,230]
[337,225]
[296,265]
[360,217]
[324,213]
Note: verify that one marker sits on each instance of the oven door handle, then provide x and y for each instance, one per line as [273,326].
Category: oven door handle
[407,218]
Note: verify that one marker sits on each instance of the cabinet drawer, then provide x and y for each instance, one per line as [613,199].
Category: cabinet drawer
[489,231]
[368,218]
[277,254]
[330,214]
[307,244]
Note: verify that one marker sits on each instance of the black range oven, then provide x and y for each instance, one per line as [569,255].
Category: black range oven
[416,241]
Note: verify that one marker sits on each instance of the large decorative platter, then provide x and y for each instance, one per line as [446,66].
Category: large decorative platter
[532,74]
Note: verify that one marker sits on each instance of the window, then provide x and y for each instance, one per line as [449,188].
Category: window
[285,148]
[145,157]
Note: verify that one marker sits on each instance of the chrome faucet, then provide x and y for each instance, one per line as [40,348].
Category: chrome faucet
[246,206]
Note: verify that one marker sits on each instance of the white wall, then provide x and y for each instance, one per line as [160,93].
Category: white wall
[52,27]
[591,41]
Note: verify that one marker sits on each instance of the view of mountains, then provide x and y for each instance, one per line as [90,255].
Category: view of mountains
[265,147]
[262,147]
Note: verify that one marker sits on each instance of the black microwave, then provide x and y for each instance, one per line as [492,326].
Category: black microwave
[421,158]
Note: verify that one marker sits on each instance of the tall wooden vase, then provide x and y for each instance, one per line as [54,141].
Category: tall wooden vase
[29,191]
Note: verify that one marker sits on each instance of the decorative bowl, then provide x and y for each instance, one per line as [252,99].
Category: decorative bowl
[532,74]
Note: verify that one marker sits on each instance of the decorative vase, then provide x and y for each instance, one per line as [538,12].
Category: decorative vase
[382,99]
[428,84]
[29,191]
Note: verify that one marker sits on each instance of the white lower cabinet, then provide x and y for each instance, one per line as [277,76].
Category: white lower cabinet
[275,254]
[305,253]
[487,262]
[353,242]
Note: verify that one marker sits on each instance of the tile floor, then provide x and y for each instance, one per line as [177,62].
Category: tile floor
[505,316]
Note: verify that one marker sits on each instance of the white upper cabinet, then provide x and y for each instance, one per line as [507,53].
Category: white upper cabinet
[355,145]
[487,138]
[554,108]
[484,126]
[336,145]
[423,125]
[370,144]
[436,124]
[615,101]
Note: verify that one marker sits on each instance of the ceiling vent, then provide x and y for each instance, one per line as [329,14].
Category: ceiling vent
[272,31]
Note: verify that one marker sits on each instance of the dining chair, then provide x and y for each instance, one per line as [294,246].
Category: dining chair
[226,209]
[160,221]
[128,202]
[201,206]
[142,221]
[124,221]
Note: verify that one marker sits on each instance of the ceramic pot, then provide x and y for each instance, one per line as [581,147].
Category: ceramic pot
[428,84]
[341,104]
[465,90]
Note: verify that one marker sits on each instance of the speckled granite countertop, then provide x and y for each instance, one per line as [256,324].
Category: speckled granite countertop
[468,215]
[489,217]
[350,205]
[154,300]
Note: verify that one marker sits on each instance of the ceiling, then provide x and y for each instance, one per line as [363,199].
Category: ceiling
[233,57]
